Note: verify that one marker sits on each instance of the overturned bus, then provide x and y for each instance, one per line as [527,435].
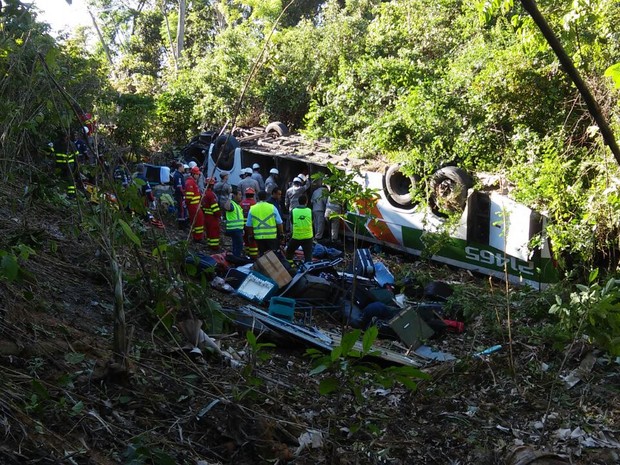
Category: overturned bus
[494,235]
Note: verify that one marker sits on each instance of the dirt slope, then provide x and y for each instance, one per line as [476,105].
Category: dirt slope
[57,406]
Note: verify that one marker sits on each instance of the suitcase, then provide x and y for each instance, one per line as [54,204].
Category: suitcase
[364,265]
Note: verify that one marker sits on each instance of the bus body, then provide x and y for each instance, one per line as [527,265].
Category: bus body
[493,235]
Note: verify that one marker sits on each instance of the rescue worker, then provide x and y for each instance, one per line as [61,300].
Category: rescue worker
[301,231]
[201,179]
[212,214]
[272,181]
[257,176]
[264,225]
[276,198]
[291,198]
[65,155]
[178,186]
[319,204]
[247,182]
[234,224]
[192,199]
[147,192]
[223,189]
[246,204]
[332,210]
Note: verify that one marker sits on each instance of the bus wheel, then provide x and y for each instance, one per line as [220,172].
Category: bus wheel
[449,187]
[277,127]
[223,149]
[398,187]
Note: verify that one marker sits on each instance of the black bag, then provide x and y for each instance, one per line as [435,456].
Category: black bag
[364,265]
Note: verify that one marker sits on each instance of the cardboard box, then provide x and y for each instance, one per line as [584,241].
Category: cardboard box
[270,265]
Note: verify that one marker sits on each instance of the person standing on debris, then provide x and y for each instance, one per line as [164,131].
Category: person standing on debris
[178,186]
[201,179]
[291,198]
[272,181]
[247,182]
[223,189]
[301,231]
[247,203]
[264,224]
[192,198]
[332,212]
[65,154]
[258,177]
[234,224]
[319,204]
[212,214]
[276,198]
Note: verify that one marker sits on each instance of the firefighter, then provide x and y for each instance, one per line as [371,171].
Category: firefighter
[212,214]
[301,231]
[264,225]
[65,155]
[234,223]
[246,204]
[192,199]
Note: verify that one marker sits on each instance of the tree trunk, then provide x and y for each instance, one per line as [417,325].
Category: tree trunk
[567,63]
[181,30]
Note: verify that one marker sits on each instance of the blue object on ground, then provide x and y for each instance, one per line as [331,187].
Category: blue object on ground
[383,275]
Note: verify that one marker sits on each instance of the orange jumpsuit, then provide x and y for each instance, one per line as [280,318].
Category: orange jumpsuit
[212,215]
[250,245]
[196,217]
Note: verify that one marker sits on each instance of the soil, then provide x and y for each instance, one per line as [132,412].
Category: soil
[66,399]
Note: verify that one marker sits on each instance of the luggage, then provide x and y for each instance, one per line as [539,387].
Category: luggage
[364,265]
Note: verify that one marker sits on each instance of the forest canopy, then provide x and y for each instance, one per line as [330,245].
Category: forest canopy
[419,82]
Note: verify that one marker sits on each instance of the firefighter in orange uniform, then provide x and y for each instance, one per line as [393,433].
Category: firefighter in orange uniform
[192,199]
[246,203]
[212,215]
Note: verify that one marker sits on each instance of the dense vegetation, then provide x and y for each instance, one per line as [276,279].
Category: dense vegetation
[421,82]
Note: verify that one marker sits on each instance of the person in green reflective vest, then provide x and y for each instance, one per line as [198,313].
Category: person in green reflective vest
[264,224]
[301,230]
[234,223]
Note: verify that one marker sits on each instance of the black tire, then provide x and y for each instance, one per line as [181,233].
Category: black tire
[398,187]
[277,127]
[449,190]
[224,150]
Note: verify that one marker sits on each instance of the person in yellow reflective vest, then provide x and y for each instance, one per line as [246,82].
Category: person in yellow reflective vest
[301,231]
[65,155]
[234,223]
[264,224]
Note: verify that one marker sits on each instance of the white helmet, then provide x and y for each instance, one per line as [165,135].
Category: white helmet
[247,170]
[186,167]
[192,164]
[85,129]
[274,171]
[255,166]
[298,180]
[302,177]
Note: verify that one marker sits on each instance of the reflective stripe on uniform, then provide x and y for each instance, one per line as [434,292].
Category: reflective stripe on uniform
[264,221]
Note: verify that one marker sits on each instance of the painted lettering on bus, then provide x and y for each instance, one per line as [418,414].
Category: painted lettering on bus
[486,257]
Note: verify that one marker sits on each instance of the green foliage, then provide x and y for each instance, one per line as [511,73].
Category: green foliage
[141,452]
[347,367]
[10,267]
[592,309]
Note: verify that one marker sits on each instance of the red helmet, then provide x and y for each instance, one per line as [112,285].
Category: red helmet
[195,170]
[249,190]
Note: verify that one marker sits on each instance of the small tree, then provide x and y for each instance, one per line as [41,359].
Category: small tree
[353,199]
